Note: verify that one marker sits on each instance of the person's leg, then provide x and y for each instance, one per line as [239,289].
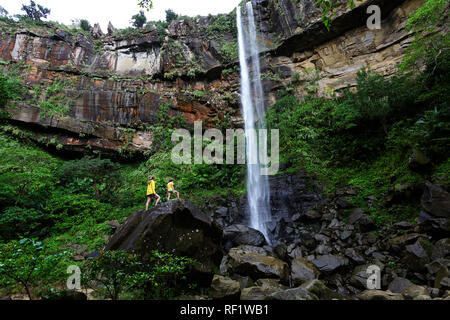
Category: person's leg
[177,193]
[157,199]
[148,202]
[168,196]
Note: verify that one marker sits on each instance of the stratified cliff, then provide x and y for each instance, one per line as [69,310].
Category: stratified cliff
[114,85]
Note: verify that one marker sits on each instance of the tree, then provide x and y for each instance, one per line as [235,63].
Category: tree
[138,20]
[35,11]
[26,264]
[110,272]
[85,25]
[170,16]
[146,4]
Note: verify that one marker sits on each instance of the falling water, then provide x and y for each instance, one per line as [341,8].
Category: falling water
[252,100]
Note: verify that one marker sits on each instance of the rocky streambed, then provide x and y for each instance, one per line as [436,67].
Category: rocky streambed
[323,247]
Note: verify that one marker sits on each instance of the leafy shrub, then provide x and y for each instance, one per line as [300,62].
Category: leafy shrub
[25,263]
[115,272]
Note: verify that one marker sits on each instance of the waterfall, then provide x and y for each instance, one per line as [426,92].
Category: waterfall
[252,100]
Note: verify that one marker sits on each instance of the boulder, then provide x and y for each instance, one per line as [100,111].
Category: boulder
[353,255]
[416,256]
[239,234]
[257,293]
[379,295]
[343,203]
[329,263]
[254,262]
[436,265]
[264,288]
[442,277]
[312,214]
[436,200]
[281,251]
[302,271]
[292,294]
[224,288]
[358,218]
[414,291]
[398,243]
[270,283]
[434,226]
[359,277]
[176,227]
[399,284]
[319,289]
[441,249]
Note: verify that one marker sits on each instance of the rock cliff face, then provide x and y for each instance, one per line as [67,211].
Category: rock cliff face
[116,85]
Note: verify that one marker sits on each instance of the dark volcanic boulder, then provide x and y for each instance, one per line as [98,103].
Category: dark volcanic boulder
[329,263]
[302,271]
[255,263]
[176,227]
[239,234]
[436,200]
[225,288]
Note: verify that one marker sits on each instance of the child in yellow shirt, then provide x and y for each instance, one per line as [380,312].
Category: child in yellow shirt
[171,189]
[151,193]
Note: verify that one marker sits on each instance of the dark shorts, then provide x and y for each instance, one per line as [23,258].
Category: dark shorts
[170,191]
[153,195]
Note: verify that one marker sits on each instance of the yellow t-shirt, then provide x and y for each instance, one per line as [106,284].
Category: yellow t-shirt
[151,187]
[170,186]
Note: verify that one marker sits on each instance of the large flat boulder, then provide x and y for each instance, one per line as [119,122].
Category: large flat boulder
[239,234]
[255,263]
[176,227]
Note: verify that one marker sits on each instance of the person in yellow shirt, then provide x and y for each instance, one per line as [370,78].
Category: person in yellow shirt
[171,189]
[151,193]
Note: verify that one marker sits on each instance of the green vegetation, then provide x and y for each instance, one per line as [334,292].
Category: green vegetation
[55,100]
[230,51]
[364,137]
[26,263]
[35,11]
[10,88]
[328,8]
[155,277]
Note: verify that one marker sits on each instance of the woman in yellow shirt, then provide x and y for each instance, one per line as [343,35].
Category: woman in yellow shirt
[171,189]
[151,193]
